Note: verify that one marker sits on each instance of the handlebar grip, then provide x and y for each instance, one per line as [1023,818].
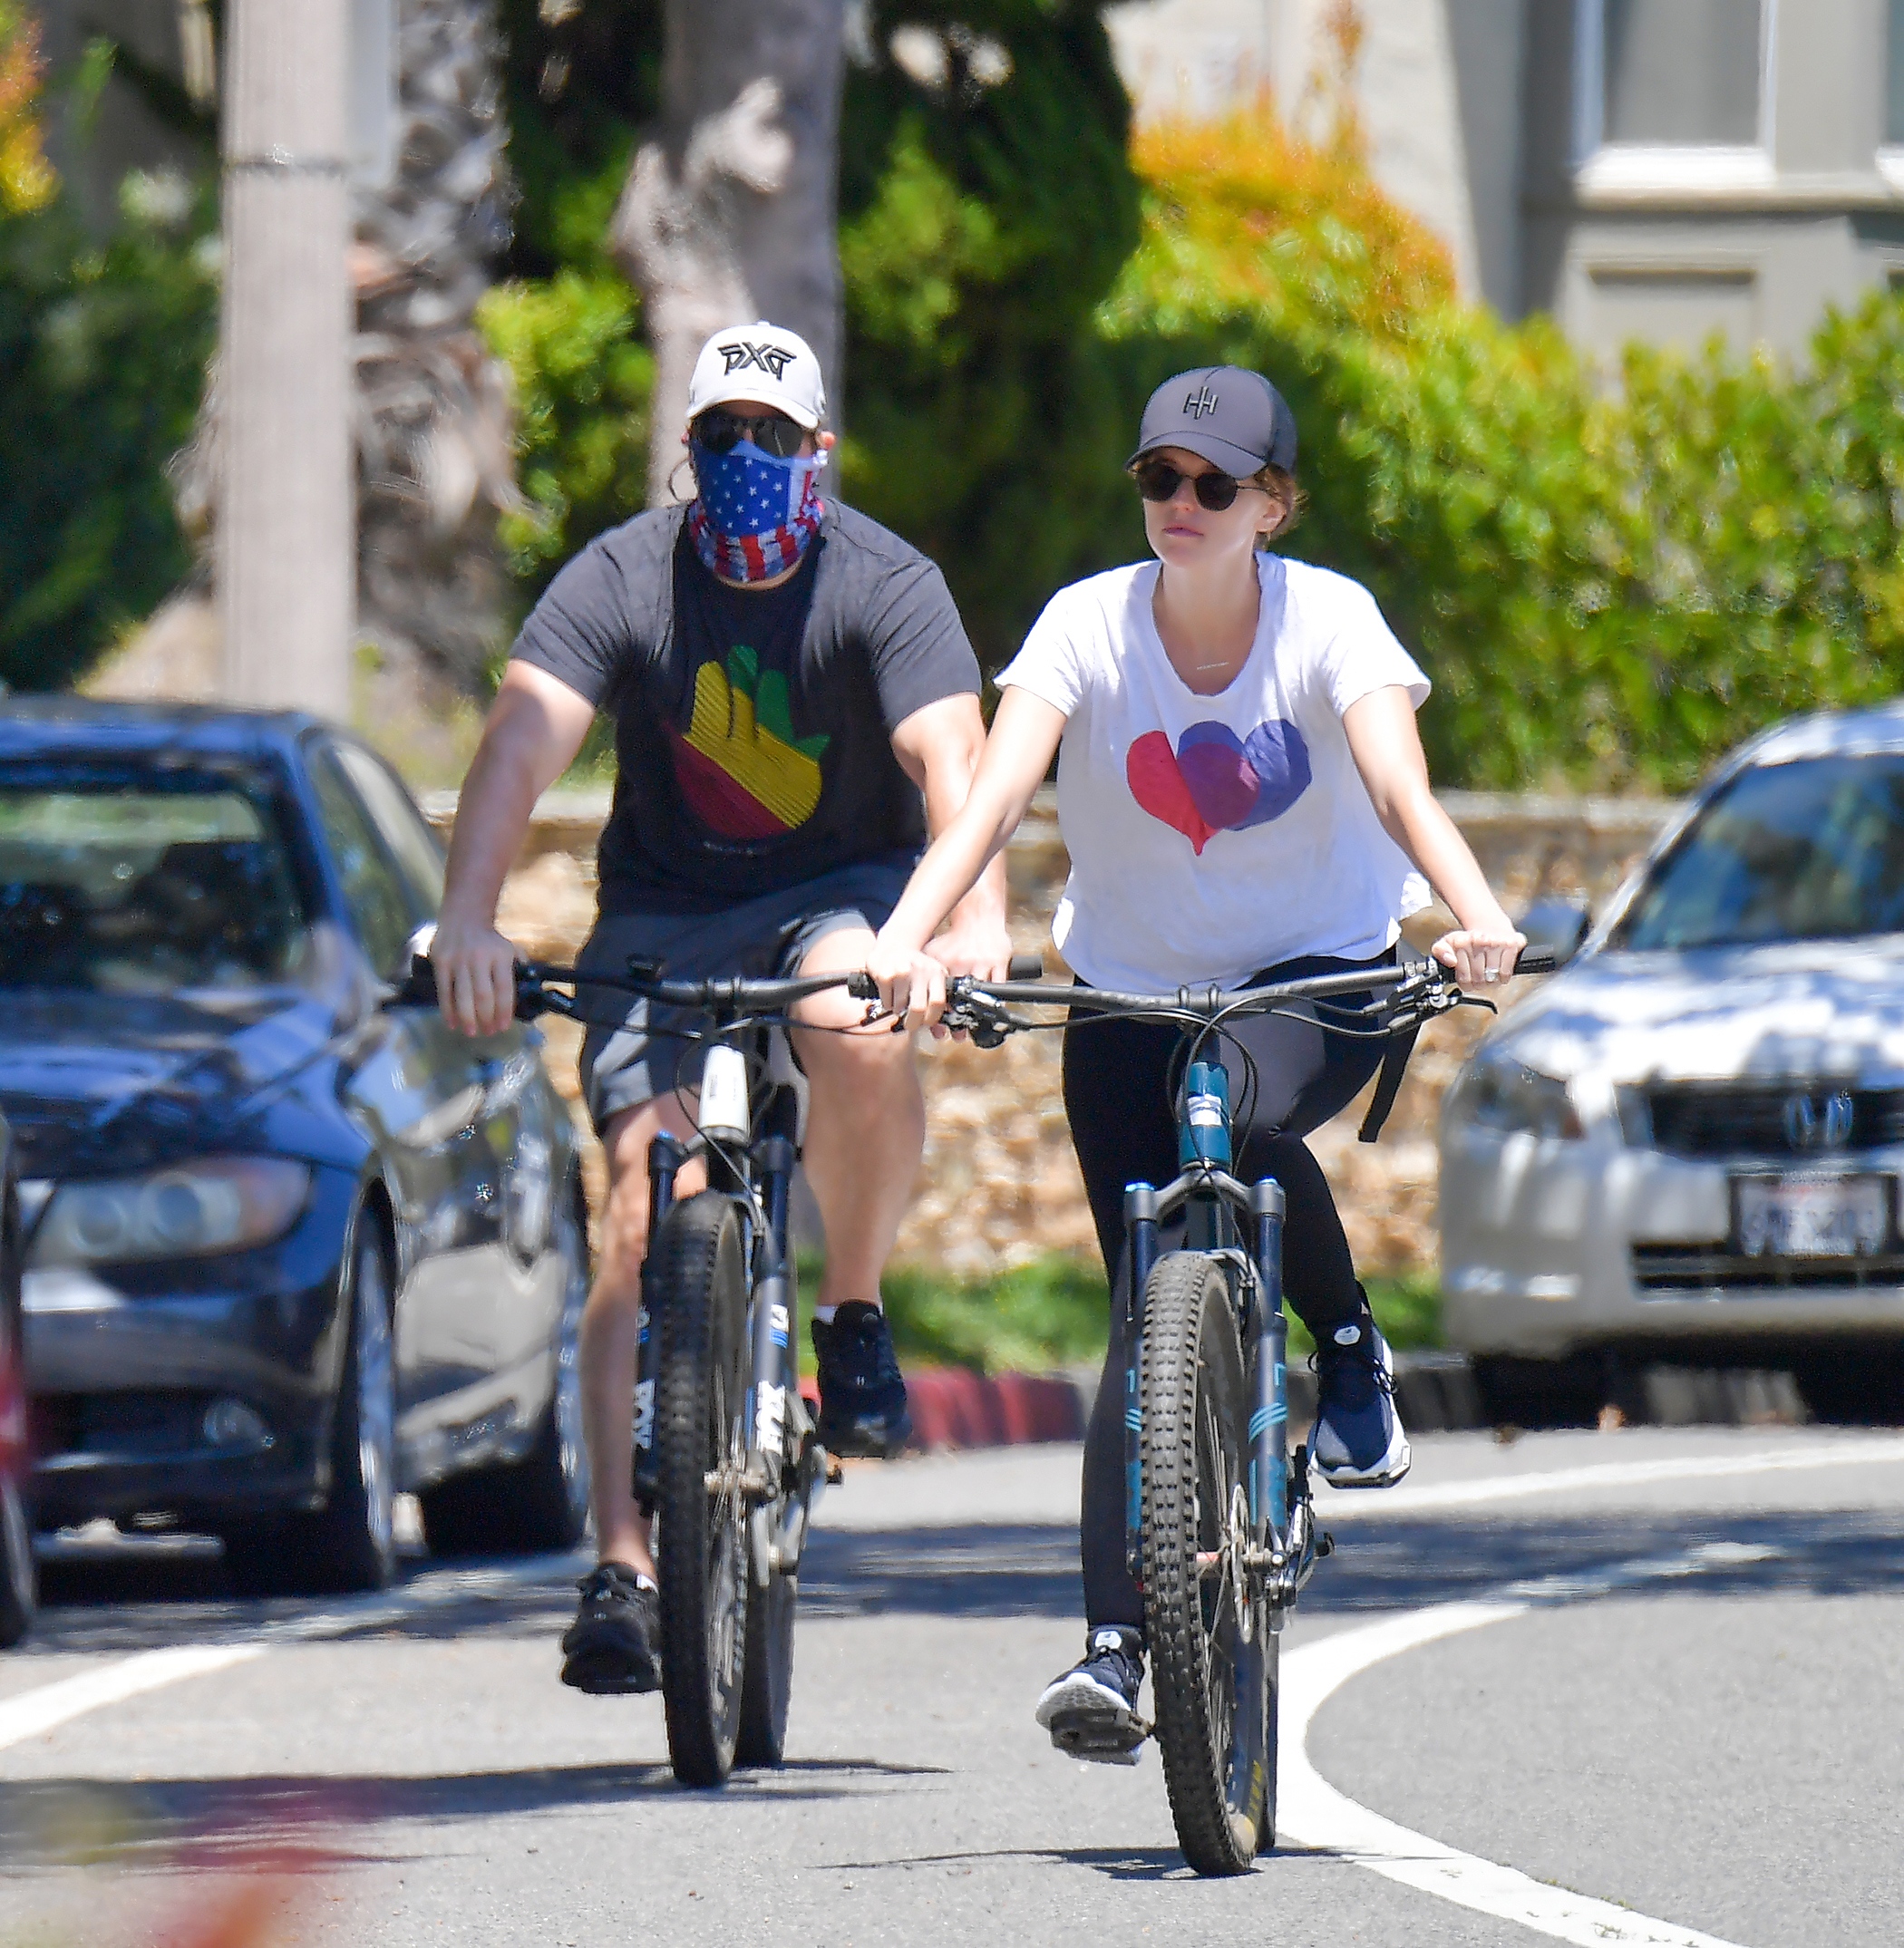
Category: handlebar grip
[1540,961]
[1025,967]
[861,986]
[420,989]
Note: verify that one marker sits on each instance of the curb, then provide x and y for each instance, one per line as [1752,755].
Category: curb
[954,1408]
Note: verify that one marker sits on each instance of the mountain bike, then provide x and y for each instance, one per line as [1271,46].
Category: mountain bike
[727,1458]
[1219,1527]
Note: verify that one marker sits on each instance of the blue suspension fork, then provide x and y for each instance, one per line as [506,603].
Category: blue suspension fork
[1269,1412]
[666,1157]
[1140,1229]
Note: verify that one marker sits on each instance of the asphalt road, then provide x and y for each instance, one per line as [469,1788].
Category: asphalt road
[1691,1707]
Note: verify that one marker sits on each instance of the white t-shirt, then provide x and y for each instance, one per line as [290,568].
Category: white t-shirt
[1213,836]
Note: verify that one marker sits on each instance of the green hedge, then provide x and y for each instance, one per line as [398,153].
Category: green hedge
[103,350]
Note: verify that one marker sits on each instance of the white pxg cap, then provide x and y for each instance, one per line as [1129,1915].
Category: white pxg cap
[761,361]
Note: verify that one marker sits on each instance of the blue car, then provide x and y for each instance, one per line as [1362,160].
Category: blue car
[290,1246]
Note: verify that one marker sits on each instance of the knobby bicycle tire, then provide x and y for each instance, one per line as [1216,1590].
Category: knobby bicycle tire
[1219,1765]
[698,1292]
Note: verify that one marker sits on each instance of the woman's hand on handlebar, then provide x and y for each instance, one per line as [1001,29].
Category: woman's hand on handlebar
[475,977]
[912,985]
[1480,956]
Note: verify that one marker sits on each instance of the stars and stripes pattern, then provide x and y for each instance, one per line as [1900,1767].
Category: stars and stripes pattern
[731,520]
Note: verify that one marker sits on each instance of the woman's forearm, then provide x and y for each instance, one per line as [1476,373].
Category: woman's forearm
[1417,822]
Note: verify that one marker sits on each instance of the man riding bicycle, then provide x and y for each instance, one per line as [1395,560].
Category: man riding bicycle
[796,705]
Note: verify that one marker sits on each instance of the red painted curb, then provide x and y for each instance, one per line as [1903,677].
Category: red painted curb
[953,1407]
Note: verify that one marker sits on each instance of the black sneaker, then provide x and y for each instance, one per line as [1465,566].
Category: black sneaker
[609,1649]
[1091,1711]
[862,1394]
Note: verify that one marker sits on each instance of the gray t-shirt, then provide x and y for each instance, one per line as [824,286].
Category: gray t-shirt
[753,728]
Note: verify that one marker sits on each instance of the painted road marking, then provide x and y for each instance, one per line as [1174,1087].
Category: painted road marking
[1312,1813]
[32,1713]
[1617,1474]
[36,1711]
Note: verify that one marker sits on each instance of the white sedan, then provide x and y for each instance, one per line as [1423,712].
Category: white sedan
[1686,1147]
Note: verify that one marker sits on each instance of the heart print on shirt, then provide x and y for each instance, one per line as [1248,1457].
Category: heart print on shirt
[1213,783]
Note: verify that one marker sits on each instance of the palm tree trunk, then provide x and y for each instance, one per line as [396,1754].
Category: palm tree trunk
[729,211]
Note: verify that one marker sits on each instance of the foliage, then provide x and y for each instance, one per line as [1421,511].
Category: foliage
[26,178]
[1055,1312]
[982,217]
[1052,1312]
[103,352]
[1610,584]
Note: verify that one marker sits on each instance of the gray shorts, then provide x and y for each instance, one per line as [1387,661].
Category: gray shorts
[766,938]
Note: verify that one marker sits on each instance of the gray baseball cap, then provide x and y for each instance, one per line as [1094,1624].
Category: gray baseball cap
[1233,418]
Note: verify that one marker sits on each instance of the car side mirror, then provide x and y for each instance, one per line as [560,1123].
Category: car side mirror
[1556,924]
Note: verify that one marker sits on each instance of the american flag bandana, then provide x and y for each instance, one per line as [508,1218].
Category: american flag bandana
[753,516]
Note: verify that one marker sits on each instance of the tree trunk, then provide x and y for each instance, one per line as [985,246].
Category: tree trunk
[729,213]
[284,525]
[430,412]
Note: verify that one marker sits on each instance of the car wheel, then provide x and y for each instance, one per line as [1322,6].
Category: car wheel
[350,1544]
[540,1502]
[19,1579]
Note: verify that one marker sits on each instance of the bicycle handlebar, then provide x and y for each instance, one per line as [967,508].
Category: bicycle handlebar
[537,985]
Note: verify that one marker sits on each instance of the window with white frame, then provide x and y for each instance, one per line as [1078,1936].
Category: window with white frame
[1894,78]
[1673,74]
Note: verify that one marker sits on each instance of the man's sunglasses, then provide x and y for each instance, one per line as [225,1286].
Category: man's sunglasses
[1157,479]
[718,431]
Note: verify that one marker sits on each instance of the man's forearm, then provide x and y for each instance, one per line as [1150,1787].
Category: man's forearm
[520,755]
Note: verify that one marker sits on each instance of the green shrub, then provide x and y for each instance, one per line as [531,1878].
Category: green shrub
[103,352]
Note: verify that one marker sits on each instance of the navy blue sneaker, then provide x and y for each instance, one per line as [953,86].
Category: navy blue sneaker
[610,1648]
[1359,1441]
[1091,1711]
[862,1393]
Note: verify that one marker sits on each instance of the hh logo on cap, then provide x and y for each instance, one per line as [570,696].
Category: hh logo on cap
[1200,401]
[770,358]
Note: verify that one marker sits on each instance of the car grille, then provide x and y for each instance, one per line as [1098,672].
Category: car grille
[1668,1269]
[1730,1119]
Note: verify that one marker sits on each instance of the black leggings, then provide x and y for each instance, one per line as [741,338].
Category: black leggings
[1123,1127]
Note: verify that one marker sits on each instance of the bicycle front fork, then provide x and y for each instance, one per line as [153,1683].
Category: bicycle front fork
[1268,1466]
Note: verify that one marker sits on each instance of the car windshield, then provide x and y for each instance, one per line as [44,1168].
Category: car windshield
[143,884]
[1811,851]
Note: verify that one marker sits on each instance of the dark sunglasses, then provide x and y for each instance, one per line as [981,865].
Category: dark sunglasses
[1157,479]
[719,431]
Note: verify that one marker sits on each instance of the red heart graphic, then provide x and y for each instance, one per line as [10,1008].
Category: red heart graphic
[1157,783]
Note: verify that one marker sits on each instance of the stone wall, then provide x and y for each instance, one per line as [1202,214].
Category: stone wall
[1000,1185]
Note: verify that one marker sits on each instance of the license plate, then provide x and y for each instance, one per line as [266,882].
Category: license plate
[1813,1217]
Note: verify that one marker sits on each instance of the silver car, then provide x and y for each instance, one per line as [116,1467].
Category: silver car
[1686,1148]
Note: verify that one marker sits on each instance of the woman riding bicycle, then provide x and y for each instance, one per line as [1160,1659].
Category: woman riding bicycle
[1244,797]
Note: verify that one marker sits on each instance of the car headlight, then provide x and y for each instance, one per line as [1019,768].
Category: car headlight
[191,1210]
[1497,1093]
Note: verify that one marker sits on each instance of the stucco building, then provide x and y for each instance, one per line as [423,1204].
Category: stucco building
[1650,169]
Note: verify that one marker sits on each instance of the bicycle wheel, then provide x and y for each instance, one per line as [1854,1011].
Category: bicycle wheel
[698,1289]
[1213,1666]
[767,1689]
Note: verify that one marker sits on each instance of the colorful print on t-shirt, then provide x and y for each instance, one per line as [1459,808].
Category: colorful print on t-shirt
[1213,783]
[739,765]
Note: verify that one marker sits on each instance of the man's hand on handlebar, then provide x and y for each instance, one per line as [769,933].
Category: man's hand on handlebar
[912,985]
[475,977]
[984,951]
[1480,956]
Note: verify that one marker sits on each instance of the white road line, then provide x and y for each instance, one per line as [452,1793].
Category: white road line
[1613,1475]
[1311,1812]
[34,1712]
